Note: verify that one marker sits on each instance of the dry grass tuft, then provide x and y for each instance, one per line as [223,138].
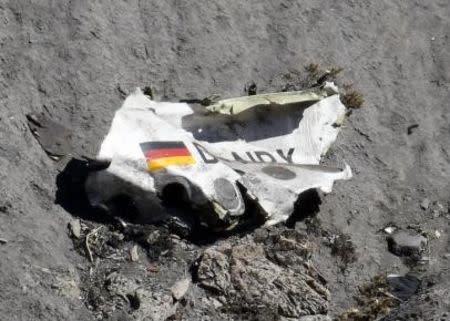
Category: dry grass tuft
[352,98]
[313,70]
[148,91]
[343,248]
[315,76]
[374,302]
[335,71]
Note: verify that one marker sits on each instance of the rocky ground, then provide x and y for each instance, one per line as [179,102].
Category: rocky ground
[377,247]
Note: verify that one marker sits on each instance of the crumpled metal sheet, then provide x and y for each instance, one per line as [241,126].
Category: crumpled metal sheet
[266,153]
[232,106]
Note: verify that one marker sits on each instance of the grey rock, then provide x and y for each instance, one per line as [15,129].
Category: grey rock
[244,271]
[154,306]
[134,255]
[153,237]
[3,241]
[116,239]
[147,304]
[315,318]
[403,287]
[216,303]
[120,316]
[436,213]
[212,270]
[180,288]
[425,204]
[406,243]
[75,228]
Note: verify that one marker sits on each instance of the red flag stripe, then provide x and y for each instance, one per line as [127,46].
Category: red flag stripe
[166,152]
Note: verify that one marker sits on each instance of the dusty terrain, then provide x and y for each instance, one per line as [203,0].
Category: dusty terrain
[76,60]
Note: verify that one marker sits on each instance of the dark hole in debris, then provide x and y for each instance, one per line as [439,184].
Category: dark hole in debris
[135,303]
[175,195]
[251,89]
[253,219]
[72,197]
[148,91]
[307,205]
[71,194]
[123,206]
[184,222]
[4,208]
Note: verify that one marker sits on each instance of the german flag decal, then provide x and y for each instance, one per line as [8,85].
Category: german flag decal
[162,154]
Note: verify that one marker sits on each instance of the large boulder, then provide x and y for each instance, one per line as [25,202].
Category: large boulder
[245,275]
[407,243]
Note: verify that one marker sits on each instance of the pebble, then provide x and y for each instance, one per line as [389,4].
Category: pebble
[180,288]
[389,229]
[3,241]
[405,243]
[134,255]
[119,236]
[153,237]
[216,303]
[75,228]
[425,204]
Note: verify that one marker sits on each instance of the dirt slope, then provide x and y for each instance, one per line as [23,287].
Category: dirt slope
[75,61]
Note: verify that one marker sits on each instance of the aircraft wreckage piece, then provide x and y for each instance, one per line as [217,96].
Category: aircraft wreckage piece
[219,163]
[237,105]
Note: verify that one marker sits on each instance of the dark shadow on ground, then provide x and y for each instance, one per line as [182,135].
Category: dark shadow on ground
[71,195]
[306,206]
[253,220]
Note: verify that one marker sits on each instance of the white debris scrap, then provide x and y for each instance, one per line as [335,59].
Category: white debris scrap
[389,229]
[263,148]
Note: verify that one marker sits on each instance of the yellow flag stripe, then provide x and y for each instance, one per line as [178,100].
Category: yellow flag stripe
[154,164]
